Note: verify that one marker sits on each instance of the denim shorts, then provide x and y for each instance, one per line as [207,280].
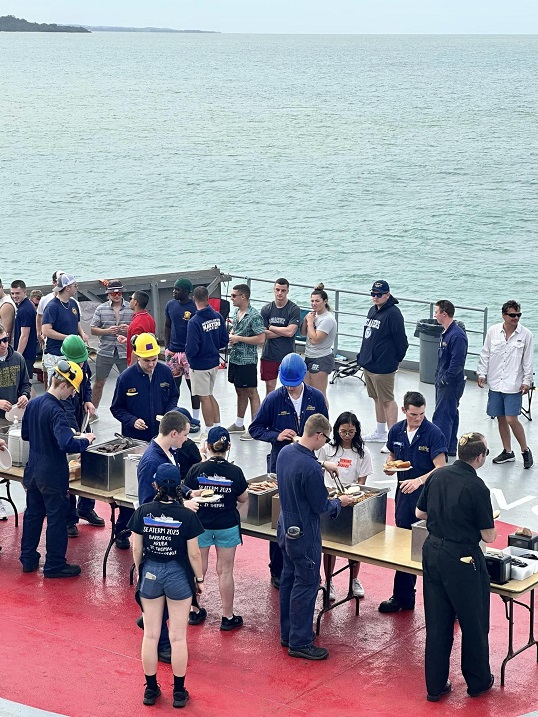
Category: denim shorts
[170,579]
[504,404]
[223,538]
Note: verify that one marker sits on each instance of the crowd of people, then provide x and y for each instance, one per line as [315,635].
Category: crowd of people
[188,451]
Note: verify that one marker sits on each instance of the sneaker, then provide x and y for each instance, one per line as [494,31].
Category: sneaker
[3,513]
[72,531]
[527,458]
[230,623]
[92,518]
[245,436]
[394,605]
[485,689]
[358,590]
[332,592]
[234,428]
[446,689]
[68,571]
[151,695]
[93,418]
[376,437]
[194,428]
[385,449]
[310,653]
[181,697]
[196,618]
[505,457]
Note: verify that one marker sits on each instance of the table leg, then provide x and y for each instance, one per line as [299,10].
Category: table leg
[327,605]
[113,507]
[9,499]
[509,613]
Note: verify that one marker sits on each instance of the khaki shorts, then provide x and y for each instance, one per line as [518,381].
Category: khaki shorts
[380,386]
[203,381]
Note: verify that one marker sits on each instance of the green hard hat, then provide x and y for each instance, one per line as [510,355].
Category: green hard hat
[74,349]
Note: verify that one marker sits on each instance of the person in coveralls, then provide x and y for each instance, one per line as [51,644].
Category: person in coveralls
[456,504]
[421,443]
[143,391]
[46,475]
[282,417]
[303,496]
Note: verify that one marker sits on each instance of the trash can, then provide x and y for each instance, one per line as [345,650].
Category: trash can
[428,331]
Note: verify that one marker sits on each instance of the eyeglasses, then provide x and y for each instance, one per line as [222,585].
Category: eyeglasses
[327,438]
[377,294]
[5,340]
[514,316]
[347,433]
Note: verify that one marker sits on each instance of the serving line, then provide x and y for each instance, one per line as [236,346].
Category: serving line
[391,549]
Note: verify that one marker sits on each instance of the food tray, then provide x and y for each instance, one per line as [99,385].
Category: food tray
[106,471]
[358,522]
[257,509]
[518,553]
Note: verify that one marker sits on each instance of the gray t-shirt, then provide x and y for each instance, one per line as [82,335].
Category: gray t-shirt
[276,349]
[327,323]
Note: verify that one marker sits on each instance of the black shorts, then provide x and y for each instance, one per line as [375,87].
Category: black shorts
[243,376]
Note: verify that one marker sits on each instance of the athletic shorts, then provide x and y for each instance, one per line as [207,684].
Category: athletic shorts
[222,538]
[504,404]
[177,363]
[323,364]
[50,361]
[203,381]
[380,386]
[269,370]
[243,376]
[103,365]
[170,579]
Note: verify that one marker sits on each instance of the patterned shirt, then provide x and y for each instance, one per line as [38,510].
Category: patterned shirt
[105,317]
[251,324]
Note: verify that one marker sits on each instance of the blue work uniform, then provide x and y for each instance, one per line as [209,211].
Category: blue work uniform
[276,413]
[136,396]
[450,383]
[74,408]
[46,479]
[303,496]
[428,443]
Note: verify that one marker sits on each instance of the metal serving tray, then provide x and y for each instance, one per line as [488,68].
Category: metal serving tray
[106,471]
[357,522]
[257,510]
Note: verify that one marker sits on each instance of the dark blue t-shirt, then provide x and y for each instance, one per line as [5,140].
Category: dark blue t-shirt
[26,317]
[179,315]
[64,319]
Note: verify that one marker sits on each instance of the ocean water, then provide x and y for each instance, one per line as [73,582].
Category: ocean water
[334,158]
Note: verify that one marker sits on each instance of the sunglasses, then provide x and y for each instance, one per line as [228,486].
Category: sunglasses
[487,451]
[377,294]
[5,340]
[514,316]
[327,438]
[233,296]
[115,293]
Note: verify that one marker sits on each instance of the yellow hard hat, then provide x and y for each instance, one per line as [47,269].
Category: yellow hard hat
[145,345]
[71,372]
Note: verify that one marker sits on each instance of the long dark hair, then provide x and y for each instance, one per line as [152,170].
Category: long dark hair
[164,493]
[357,444]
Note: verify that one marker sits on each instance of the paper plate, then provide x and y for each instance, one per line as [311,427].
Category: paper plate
[209,499]
[5,460]
[15,413]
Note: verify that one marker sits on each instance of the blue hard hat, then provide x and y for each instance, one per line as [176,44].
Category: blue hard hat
[292,370]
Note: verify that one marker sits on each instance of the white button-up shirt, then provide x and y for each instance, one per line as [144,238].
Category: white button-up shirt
[507,363]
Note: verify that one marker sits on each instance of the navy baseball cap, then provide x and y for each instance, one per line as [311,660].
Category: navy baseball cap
[190,419]
[380,287]
[167,476]
[216,433]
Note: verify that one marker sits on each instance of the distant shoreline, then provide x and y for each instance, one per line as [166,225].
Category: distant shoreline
[10,23]
[107,28]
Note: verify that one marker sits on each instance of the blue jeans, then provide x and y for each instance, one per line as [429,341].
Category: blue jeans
[446,415]
[44,500]
[84,505]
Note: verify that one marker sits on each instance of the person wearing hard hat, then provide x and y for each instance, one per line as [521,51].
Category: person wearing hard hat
[281,418]
[77,407]
[46,475]
[143,391]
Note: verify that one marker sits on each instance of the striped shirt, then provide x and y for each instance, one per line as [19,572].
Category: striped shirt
[103,318]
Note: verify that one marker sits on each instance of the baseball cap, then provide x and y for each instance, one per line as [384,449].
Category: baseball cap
[114,285]
[190,419]
[380,287]
[185,284]
[216,433]
[63,281]
[167,476]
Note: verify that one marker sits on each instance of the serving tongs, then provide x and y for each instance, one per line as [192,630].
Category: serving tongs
[339,484]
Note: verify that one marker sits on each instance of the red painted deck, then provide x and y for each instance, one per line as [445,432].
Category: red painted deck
[71,646]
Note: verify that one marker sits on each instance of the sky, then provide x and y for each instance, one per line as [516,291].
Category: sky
[292,16]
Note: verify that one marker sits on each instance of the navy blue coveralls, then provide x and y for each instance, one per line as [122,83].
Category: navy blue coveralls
[274,415]
[135,396]
[458,506]
[46,479]
[428,442]
[74,408]
[303,496]
[450,383]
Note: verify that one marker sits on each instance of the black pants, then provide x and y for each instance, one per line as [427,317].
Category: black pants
[454,588]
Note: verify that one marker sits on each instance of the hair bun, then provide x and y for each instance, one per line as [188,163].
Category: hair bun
[319,287]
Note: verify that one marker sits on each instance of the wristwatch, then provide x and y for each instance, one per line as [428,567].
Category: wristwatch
[199,580]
